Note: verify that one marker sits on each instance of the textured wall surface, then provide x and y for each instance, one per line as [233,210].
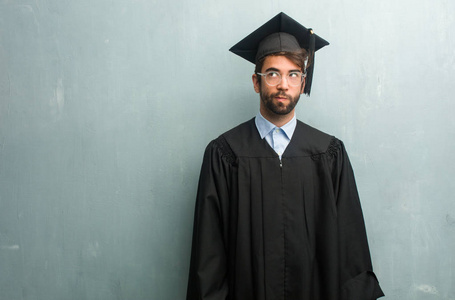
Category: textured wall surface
[106,108]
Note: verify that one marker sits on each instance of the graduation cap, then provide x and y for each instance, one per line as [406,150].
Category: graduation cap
[280,34]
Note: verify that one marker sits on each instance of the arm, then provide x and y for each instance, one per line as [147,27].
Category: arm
[208,266]
[357,279]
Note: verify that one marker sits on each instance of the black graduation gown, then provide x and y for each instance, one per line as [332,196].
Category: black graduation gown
[267,229]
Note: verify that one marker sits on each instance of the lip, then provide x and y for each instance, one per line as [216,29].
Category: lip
[281,98]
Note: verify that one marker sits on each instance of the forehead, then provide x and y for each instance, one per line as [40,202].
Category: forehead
[280,63]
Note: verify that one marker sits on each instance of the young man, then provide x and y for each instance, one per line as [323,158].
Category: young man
[277,211]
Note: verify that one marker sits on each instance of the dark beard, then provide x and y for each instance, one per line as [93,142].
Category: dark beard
[280,108]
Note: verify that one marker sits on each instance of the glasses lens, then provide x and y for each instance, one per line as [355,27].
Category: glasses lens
[295,78]
[273,78]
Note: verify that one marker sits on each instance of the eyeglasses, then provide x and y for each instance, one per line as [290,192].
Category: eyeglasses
[273,78]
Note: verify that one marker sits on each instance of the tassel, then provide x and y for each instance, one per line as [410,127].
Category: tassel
[310,67]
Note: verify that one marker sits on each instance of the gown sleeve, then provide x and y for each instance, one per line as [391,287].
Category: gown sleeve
[357,279]
[208,265]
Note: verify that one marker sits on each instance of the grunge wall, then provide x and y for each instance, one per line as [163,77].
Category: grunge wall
[106,108]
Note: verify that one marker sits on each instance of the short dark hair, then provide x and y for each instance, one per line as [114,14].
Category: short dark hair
[298,57]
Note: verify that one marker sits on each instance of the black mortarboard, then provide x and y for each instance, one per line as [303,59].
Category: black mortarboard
[281,33]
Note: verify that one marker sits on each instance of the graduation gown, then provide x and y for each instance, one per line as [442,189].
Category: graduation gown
[271,229]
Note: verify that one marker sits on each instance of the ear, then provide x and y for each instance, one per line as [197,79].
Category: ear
[256,84]
[303,85]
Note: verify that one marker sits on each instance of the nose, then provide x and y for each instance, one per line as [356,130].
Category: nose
[283,85]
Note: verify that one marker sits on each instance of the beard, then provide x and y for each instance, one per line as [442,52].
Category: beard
[279,108]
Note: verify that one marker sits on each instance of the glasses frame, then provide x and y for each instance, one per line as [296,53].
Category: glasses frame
[303,75]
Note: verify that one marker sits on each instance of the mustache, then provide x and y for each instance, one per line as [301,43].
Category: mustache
[281,94]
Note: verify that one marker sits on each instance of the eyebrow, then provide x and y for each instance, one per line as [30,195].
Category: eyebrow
[275,69]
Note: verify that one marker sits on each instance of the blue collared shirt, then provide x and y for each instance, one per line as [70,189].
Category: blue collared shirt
[277,137]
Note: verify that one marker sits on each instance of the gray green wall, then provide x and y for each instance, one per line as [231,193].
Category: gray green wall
[106,108]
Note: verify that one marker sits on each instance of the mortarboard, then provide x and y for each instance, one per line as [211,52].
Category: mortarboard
[281,33]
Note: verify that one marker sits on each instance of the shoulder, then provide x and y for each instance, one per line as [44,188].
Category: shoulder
[227,145]
[310,141]
[243,130]
[313,134]
[244,139]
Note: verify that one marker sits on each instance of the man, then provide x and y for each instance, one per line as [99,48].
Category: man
[277,211]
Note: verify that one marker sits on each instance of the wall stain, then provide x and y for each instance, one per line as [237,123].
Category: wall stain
[450,220]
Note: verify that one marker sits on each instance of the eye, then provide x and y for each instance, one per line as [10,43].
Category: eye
[295,75]
[273,74]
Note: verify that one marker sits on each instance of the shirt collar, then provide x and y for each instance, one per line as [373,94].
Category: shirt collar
[264,126]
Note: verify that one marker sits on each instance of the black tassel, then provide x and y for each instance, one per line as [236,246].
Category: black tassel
[310,68]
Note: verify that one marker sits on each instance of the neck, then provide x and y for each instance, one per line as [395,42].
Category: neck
[277,120]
